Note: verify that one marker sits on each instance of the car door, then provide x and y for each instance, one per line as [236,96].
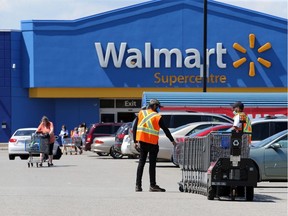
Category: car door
[275,159]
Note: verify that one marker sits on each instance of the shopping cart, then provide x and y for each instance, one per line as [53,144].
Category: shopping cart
[217,166]
[34,146]
[70,145]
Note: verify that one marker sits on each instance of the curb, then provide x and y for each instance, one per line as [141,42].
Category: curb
[3,146]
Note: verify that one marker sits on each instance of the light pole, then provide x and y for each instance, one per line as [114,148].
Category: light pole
[205,46]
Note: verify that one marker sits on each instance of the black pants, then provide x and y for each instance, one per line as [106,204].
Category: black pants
[153,150]
[50,148]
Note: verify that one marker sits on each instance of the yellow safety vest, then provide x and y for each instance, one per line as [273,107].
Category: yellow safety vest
[148,126]
[247,124]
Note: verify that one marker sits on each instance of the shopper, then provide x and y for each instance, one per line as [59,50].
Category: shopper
[146,134]
[82,133]
[75,139]
[63,134]
[46,128]
[242,122]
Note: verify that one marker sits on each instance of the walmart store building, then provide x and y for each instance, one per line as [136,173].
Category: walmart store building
[96,68]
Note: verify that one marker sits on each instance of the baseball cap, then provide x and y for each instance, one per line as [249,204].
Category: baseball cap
[238,104]
[154,101]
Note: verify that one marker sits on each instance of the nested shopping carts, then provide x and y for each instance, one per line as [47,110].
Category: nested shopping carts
[34,146]
[217,165]
[70,145]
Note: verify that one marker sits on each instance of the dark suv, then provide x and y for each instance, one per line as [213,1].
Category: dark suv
[98,130]
[122,131]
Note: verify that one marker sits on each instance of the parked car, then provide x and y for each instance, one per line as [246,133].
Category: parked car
[166,147]
[100,130]
[126,148]
[121,132]
[208,130]
[268,126]
[16,144]
[270,155]
[103,145]
[176,119]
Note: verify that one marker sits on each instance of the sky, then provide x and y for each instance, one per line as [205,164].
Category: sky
[13,11]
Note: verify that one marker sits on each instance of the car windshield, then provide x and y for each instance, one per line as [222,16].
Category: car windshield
[24,132]
[268,140]
[200,131]
[178,128]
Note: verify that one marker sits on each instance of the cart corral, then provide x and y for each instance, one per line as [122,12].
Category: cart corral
[217,166]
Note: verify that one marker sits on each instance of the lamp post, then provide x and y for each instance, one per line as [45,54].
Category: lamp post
[205,46]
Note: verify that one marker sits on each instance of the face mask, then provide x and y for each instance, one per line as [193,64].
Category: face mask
[234,112]
[158,109]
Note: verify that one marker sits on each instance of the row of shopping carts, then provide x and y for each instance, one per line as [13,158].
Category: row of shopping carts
[216,165]
[72,145]
[39,144]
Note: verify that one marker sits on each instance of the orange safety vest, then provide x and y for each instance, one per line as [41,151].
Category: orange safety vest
[148,126]
[247,127]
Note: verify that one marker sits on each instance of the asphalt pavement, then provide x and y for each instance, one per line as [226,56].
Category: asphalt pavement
[88,184]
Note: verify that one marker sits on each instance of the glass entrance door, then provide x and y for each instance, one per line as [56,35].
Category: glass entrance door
[125,116]
[107,117]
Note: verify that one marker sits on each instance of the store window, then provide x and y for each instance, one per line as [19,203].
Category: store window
[107,103]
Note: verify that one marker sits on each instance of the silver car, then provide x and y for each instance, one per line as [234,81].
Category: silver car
[270,156]
[16,144]
[104,146]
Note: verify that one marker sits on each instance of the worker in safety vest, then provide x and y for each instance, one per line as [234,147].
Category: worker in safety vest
[241,120]
[146,135]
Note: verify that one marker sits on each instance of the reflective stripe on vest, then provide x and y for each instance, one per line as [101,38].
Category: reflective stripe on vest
[247,124]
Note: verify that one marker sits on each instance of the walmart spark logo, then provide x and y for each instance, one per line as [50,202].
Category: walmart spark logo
[262,49]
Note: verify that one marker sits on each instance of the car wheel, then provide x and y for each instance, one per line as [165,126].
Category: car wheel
[11,157]
[102,154]
[115,154]
[58,154]
[24,157]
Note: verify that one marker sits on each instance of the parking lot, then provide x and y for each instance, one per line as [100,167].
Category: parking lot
[92,185]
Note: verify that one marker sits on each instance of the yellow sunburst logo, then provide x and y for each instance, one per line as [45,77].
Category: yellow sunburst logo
[262,49]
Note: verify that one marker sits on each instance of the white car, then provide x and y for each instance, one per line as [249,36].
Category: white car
[126,148]
[268,126]
[165,146]
[16,144]
[104,146]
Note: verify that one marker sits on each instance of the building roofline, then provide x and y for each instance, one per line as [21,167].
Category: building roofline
[152,6]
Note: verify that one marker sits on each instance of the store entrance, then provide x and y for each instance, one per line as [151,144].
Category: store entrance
[125,116]
[118,115]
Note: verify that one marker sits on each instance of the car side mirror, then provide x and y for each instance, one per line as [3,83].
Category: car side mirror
[275,146]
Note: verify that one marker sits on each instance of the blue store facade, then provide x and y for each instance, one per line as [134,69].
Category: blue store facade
[97,67]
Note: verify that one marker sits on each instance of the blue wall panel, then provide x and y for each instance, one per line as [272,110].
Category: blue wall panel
[63,53]
[72,112]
